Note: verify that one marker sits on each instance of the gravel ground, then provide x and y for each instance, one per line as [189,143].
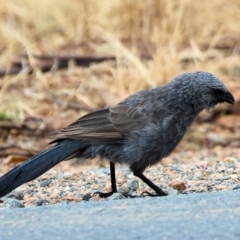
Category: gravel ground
[79,184]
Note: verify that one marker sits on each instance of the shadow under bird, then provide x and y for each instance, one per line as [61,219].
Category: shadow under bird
[139,131]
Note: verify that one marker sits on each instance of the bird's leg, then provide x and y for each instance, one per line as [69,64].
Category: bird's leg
[158,190]
[113,183]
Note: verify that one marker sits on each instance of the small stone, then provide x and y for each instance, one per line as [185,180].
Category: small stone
[230,182]
[106,171]
[71,197]
[229,159]
[32,199]
[12,203]
[100,173]
[40,195]
[43,177]
[39,202]
[234,177]
[236,187]
[215,138]
[116,196]
[15,194]
[190,177]
[226,178]
[63,194]
[211,184]
[200,177]
[87,197]
[44,191]
[45,183]
[218,181]
[68,189]
[133,184]
[64,176]
[125,169]
[178,185]
[172,191]
[123,189]
[55,194]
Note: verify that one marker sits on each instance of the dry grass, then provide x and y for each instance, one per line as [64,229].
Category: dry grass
[178,30]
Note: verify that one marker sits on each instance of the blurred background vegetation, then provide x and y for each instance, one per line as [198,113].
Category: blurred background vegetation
[151,40]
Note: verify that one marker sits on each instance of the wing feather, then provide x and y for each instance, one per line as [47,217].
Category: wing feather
[114,124]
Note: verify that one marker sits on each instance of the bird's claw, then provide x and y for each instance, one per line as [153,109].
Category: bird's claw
[157,194]
[108,194]
[104,195]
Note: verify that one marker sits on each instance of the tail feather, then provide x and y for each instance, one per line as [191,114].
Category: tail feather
[39,164]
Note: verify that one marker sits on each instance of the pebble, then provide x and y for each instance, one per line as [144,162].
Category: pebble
[55,194]
[12,203]
[218,181]
[64,188]
[133,184]
[230,182]
[64,176]
[87,197]
[16,195]
[45,183]
[172,191]
[229,159]
[39,202]
[116,196]
[123,189]
[178,185]
[236,187]
[226,178]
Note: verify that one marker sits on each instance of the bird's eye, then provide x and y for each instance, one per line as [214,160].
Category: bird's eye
[217,92]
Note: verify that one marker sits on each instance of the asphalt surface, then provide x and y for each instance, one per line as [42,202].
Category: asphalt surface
[193,216]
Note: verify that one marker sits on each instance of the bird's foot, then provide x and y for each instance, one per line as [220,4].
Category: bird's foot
[157,194]
[108,194]
[104,195]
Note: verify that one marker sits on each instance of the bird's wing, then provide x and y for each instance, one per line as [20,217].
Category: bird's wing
[112,125]
[95,125]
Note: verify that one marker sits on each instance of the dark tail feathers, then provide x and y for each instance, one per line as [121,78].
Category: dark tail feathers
[39,164]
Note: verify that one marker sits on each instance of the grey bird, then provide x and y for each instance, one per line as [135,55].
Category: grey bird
[139,131]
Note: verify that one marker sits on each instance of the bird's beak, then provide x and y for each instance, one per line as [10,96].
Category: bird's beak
[227,97]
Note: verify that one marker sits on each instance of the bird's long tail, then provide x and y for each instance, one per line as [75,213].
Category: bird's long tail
[39,164]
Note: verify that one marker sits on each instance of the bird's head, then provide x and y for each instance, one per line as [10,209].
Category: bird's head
[211,90]
[207,89]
